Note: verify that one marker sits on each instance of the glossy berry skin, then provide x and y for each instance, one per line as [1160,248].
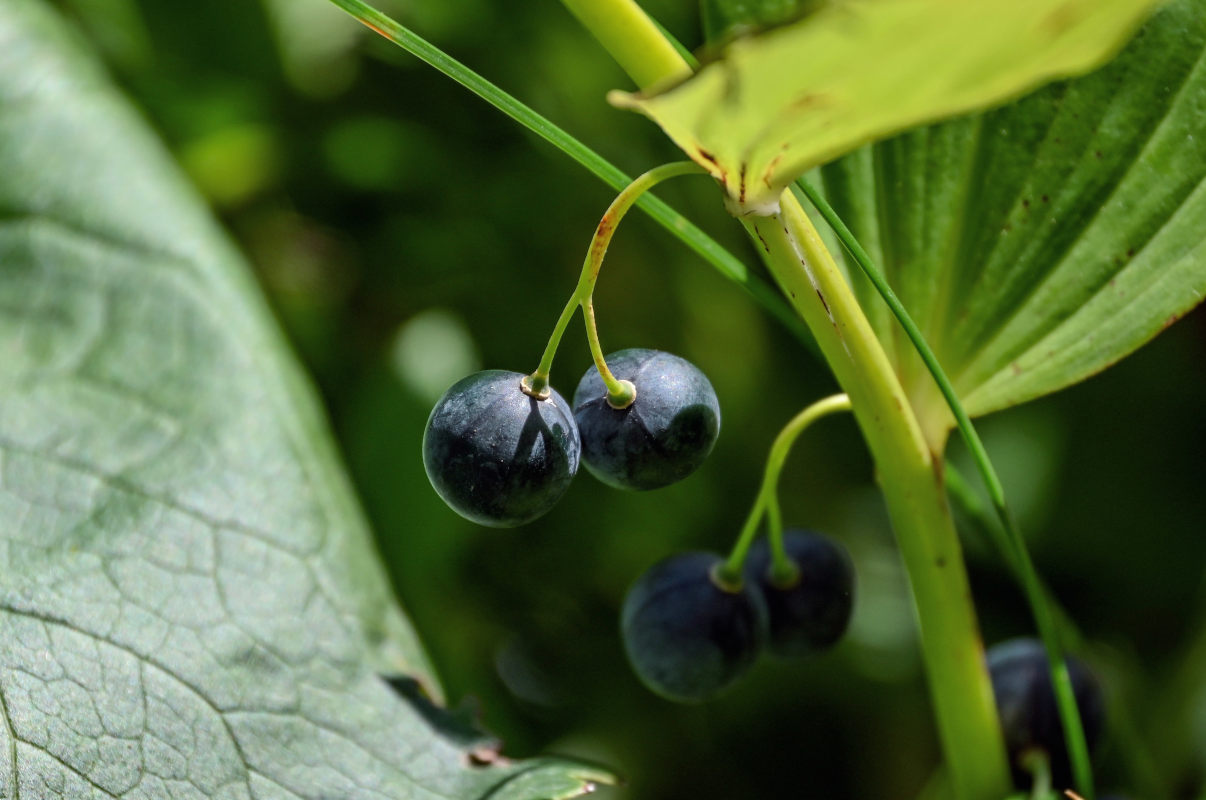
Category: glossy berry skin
[813,612]
[663,436]
[1026,705]
[686,637]
[496,455]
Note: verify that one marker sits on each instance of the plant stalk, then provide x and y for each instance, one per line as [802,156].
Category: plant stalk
[909,474]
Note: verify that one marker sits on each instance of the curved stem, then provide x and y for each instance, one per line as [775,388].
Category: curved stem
[620,393]
[767,499]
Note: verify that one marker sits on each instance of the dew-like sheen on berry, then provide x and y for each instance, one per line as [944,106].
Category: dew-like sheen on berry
[812,614]
[686,637]
[1021,683]
[496,455]
[663,436]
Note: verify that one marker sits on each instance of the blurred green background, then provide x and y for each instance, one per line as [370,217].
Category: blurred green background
[407,234]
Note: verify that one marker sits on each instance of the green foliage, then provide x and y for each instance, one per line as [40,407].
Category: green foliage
[1041,242]
[356,229]
[191,599]
[778,104]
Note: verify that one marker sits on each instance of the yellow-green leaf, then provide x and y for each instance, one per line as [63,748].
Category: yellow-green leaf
[780,103]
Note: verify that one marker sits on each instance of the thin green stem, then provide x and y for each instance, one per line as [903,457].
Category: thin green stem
[1038,765]
[679,226]
[537,384]
[784,571]
[620,393]
[767,499]
[1078,749]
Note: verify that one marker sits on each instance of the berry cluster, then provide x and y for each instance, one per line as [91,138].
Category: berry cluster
[690,631]
[502,455]
[501,448]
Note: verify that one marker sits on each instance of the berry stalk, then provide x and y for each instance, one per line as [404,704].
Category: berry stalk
[767,501]
[620,394]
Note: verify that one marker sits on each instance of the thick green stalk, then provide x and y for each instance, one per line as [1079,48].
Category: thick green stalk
[633,40]
[1011,543]
[909,474]
[910,477]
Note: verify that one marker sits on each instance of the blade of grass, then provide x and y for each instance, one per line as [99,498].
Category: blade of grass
[1023,567]
[706,247]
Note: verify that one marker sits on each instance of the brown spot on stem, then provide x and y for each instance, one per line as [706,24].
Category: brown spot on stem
[824,303]
[765,246]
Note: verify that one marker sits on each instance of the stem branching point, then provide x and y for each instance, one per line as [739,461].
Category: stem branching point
[618,395]
[767,500]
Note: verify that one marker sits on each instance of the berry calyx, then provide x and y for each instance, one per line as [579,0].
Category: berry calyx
[1021,684]
[689,635]
[497,455]
[807,611]
[662,436]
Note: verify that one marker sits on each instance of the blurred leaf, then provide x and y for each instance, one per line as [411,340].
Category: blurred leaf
[1039,243]
[191,604]
[778,104]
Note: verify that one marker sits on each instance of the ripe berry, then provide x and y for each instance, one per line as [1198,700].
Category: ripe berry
[1025,699]
[811,613]
[687,636]
[663,436]
[496,455]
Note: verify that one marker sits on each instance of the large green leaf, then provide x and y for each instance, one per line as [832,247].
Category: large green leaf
[1041,242]
[190,606]
[780,103]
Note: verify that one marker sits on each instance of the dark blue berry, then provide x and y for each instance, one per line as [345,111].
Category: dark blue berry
[496,455]
[1025,699]
[811,612]
[663,436]
[686,635]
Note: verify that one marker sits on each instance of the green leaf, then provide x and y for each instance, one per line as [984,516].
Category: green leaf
[725,18]
[191,604]
[1041,242]
[777,104]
